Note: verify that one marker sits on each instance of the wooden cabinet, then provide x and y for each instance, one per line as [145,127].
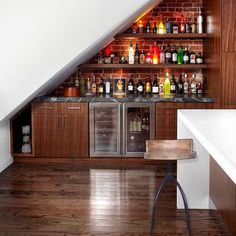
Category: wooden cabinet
[60,129]
[166,117]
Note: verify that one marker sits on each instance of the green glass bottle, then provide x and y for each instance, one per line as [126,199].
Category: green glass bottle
[167,85]
[180,56]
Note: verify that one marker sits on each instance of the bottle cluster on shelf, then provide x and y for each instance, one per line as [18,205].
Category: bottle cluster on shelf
[135,85]
[180,25]
[157,54]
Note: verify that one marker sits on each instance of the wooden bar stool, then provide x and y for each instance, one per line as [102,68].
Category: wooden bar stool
[170,150]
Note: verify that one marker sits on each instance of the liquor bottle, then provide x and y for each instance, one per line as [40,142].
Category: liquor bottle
[168,26]
[187,27]
[186,57]
[135,28]
[192,58]
[182,24]
[155,30]
[173,85]
[82,86]
[156,54]
[130,86]
[167,84]
[161,27]
[108,85]
[186,84]
[131,54]
[94,85]
[180,56]
[123,59]
[140,87]
[199,59]
[200,22]
[199,87]
[175,28]
[100,58]
[193,85]
[77,81]
[161,87]
[162,56]
[148,27]
[101,86]
[136,55]
[174,55]
[155,87]
[140,26]
[148,58]
[168,55]
[142,57]
[193,26]
[88,87]
[180,87]
[148,85]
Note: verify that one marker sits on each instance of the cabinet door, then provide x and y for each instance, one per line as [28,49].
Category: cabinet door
[74,130]
[166,117]
[46,123]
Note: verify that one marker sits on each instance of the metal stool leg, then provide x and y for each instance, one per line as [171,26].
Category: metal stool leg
[187,216]
[155,202]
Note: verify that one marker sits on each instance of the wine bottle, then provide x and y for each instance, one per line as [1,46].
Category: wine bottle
[131,54]
[186,84]
[168,55]
[148,86]
[180,88]
[167,85]
[186,58]
[168,26]
[180,55]
[192,58]
[155,30]
[174,56]
[162,56]
[142,57]
[155,87]
[200,22]
[136,55]
[130,86]
[140,87]
[148,27]
[173,85]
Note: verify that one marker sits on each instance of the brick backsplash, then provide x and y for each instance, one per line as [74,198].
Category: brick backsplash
[171,9]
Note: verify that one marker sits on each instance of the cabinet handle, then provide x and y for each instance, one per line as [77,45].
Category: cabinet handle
[73,108]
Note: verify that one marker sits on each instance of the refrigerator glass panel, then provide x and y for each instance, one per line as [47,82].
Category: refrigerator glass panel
[105,129]
[138,128]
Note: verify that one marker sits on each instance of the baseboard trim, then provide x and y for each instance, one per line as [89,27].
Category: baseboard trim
[5,164]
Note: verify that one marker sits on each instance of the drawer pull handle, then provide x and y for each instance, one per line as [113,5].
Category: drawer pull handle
[73,108]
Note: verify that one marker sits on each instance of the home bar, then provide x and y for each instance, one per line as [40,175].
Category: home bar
[79,142]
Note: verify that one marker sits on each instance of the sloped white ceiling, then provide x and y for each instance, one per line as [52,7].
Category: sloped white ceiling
[42,42]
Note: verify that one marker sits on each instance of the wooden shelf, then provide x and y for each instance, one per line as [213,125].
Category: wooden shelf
[20,154]
[143,66]
[161,36]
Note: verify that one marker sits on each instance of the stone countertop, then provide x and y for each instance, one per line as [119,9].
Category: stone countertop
[178,98]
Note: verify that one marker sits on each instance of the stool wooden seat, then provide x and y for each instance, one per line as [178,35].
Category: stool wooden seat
[170,150]
[180,149]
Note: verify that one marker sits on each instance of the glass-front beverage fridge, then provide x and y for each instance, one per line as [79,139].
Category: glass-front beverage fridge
[120,129]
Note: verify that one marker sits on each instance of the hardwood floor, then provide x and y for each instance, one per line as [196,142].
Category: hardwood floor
[73,199]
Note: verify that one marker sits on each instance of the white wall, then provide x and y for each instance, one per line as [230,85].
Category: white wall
[42,42]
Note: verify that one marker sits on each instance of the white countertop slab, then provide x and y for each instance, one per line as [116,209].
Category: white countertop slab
[216,131]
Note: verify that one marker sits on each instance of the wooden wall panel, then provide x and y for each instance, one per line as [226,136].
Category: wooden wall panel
[222,193]
[229,25]
[228,78]
[212,9]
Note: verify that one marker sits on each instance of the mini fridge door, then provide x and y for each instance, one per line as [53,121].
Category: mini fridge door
[138,126]
[105,129]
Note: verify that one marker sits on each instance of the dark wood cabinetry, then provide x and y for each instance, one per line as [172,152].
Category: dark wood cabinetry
[166,117]
[60,129]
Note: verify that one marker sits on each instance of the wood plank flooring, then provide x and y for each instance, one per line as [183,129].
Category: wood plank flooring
[73,199]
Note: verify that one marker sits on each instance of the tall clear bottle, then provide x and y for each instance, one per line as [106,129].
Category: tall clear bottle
[200,22]
[131,53]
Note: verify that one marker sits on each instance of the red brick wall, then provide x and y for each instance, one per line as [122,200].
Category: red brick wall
[171,9]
